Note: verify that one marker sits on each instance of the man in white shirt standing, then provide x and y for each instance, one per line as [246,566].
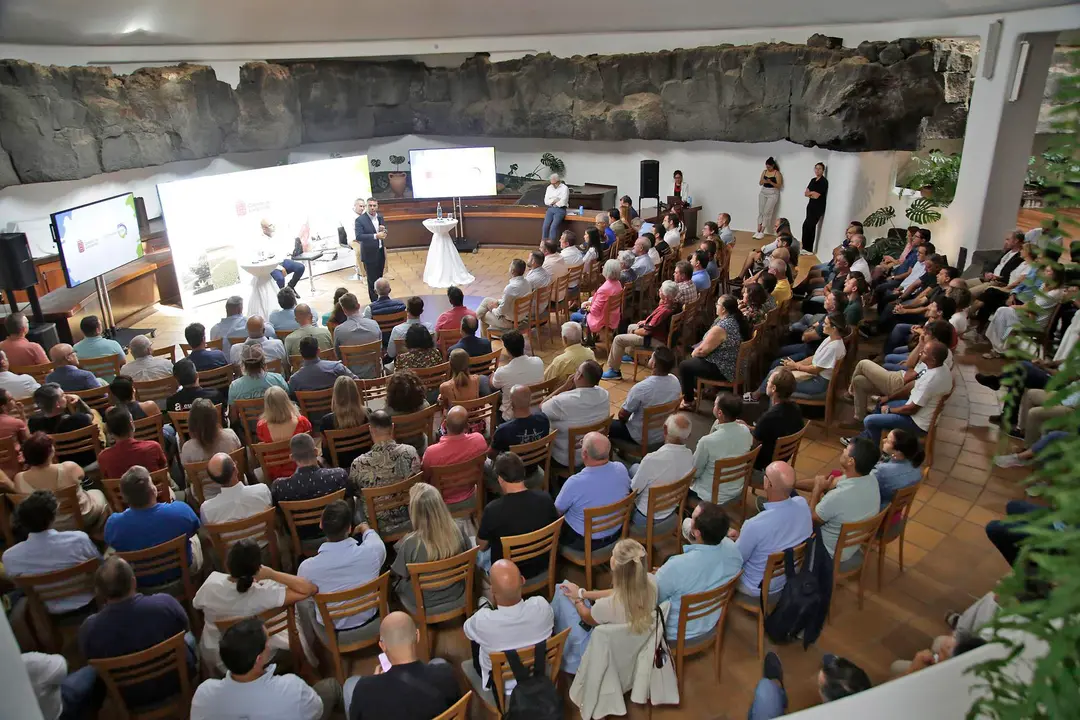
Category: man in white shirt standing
[511,624]
[515,368]
[578,401]
[556,198]
[499,313]
[235,501]
[671,463]
[19,386]
[273,348]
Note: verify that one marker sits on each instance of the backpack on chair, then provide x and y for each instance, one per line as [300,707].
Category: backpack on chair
[804,601]
[534,697]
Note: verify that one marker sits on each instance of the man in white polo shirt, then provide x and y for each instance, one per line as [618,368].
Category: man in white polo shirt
[578,401]
[659,388]
[235,500]
[515,368]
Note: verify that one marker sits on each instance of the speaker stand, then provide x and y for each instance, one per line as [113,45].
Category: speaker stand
[463,244]
[124,336]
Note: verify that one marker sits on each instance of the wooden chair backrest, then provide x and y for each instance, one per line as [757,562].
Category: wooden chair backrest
[653,417]
[856,534]
[218,344]
[151,428]
[160,478]
[540,315]
[169,556]
[434,376]
[58,585]
[282,334]
[314,403]
[334,606]
[107,366]
[165,660]
[249,410]
[545,541]
[296,361]
[787,447]
[362,359]
[484,364]
[38,372]
[400,346]
[441,574]
[541,390]
[98,398]
[733,469]
[537,452]
[701,605]
[931,435]
[180,422]
[667,500]
[271,455]
[483,409]
[454,478]
[85,439]
[261,527]
[197,478]
[417,423]
[444,339]
[277,620]
[275,366]
[774,567]
[576,434]
[459,710]
[216,379]
[155,389]
[384,498]
[168,351]
[388,321]
[347,440]
[305,514]
[501,671]
[519,311]
[9,455]
[608,517]
[374,389]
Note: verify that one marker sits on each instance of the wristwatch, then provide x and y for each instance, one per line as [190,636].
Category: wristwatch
[581,593]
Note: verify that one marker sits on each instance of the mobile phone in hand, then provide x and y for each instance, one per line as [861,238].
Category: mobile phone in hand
[384,662]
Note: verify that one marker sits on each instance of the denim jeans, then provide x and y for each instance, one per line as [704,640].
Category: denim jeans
[899,335]
[770,701]
[291,266]
[1004,533]
[553,219]
[81,694]
[796,351]
[874,425]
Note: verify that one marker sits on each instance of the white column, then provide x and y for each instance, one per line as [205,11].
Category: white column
[997,145]
[18,696]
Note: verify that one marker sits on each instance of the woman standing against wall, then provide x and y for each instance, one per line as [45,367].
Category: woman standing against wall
[771,182]
[817,190]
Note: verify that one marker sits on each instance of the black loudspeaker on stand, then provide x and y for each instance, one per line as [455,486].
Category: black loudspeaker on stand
[17,272]
[650,182]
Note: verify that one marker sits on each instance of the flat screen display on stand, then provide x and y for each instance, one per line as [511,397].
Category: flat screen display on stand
[96,238]
[453,172]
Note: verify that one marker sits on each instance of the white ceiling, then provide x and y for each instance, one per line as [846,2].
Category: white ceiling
[202,22]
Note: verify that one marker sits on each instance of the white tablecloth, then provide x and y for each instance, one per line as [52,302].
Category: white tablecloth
[263,295]
[444,266]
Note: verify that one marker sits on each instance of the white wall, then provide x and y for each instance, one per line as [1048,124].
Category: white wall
[722,176]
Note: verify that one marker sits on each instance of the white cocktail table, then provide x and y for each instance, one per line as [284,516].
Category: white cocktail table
[263,295]
[444,265]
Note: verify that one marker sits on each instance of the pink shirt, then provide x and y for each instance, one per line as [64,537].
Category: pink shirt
[451,319]
[451,450]
[599,303]
[21,352]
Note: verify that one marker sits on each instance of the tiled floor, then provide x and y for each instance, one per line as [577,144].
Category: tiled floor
[948,560]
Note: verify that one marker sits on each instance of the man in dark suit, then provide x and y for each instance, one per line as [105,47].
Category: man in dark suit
[370,234]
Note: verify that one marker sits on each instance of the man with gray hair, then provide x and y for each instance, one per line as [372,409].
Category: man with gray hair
[649,333]
[567,362]
[20,386]
[234,500]
[600,482]
[671,463]
[556,198]
[643,264]
[145,366]
[383,304]
[309,481]
[233,324]
[499,313]
[273,348]
[147,523]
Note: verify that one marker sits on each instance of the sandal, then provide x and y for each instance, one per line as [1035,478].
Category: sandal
[951,619]
[748,397]
[992,355]
[687,407]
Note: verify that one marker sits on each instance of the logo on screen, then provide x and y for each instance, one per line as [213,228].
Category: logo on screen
[241,208]
[121,230]
[81,246]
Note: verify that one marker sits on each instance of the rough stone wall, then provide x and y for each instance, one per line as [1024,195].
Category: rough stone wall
[62,123]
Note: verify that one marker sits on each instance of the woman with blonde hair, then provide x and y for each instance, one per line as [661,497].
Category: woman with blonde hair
[347,411]
[435,536]
[279,421]
[630,601]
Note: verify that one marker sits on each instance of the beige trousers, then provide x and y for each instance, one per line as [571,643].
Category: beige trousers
[869,379]
[978,286]
[622,343]
[488,313]
[1033,414]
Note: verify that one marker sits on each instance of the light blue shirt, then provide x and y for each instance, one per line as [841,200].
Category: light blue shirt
[780,526]
[643,265]
[247,387]
[895,475]
[95,347]
[235,326]
[590,488]
[283,319]
[701,279]
[697,569]
[50,551]
[344,565]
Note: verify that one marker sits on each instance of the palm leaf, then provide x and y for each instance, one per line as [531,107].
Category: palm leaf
[880,216]
[923,211]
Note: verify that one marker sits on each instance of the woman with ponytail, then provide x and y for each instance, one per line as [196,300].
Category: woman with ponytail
[714,357]
[901,470]
[249,588]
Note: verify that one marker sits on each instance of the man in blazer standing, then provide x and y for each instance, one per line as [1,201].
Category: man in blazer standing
[370,234]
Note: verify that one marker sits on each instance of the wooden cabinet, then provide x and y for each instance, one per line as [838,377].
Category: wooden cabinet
[50,277]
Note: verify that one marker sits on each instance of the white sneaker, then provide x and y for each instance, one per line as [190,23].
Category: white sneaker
[758,236]
[1011,460]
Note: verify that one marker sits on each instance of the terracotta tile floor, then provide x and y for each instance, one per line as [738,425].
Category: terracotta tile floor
[948,560]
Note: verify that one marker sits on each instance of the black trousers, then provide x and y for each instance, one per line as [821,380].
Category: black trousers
[374,268]
[809,229]
[693,368]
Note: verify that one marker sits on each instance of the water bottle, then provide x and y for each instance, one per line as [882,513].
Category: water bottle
[690,201]
[438,211]
[581,210]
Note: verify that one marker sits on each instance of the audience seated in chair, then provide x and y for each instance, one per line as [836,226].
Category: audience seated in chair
[20,386]
[126,451]
[847,497]
[284,318]
[659,388]
[420,350]
[203,357]
[944,647]
[500,313]
[517,511]
[714,358]
[554,262]
[255,380]
[386,463]
[435,536]
[93,345]
[358,329]
[122,390]
[384,304]
[643,264]
[414,308]
[146,367]
[838,678]
[469,341]
[535,272]
[627,273]
[309,480]
[306,327]
[234,324]
[206,438]
[578,401]
[515,368]
[189,390]
[668,464]
[280,421]
[20,351]
[347,412]
[451,319]
[455,447]
[567,362]
[67,373]
[45,471]
[812,374]
[729,437]
[808,333]
[405,395]
[699,272]
[598,311]
[316,373]
[524,426]
[651,332]
[234,500]
[600,482]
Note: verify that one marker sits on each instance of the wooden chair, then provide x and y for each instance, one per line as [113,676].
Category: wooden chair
[374,389]
[151,428]
[774,568]
[434,376]
[165,352]
[736,384]
[695,606]
[270,455]
[364,360]
[436,576]
[197,479]
[501,673]
[483,409]
[599,521]
[56,586]
[87,439]
[836,380]
[111,486]
[787,447]
[218,344]
[261,527]
[388,321]
[297,361]
[314,403]
[163,661]
[248,412]
[538,453]
[545,541]
[668,500]
[155,390]
[541,390]
[277,621]
[734,469]
[216,379]
[519,317]
[613,305]
[348,440]
[540,317]
[334,606]
[417,423]
[168,557]
[272,366]
[385,498]
[653,418]
[859,535]
[179,422]
[67,505]
[451,479]
[444,339]
[931,434]
[301,514]
[98,398]
[894,526]
[560,303]
[282,334]
[459,710]
[574,437]
[484,364]
[640,356]
[38,372]
[105,367]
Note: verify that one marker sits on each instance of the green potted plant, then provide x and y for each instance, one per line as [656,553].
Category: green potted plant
[548,160]
[398,178]
[935,176]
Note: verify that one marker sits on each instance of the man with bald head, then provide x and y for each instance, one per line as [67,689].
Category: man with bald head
[234,500]
[783,521]
[512,623]
[409,689]
[383,304]
[67,373]
[525,425]
[455,446]
[145,366]
[273,348]
[306,327]
[600,482]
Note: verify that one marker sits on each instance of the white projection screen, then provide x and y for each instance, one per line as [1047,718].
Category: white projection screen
[453,172]
[214,223]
